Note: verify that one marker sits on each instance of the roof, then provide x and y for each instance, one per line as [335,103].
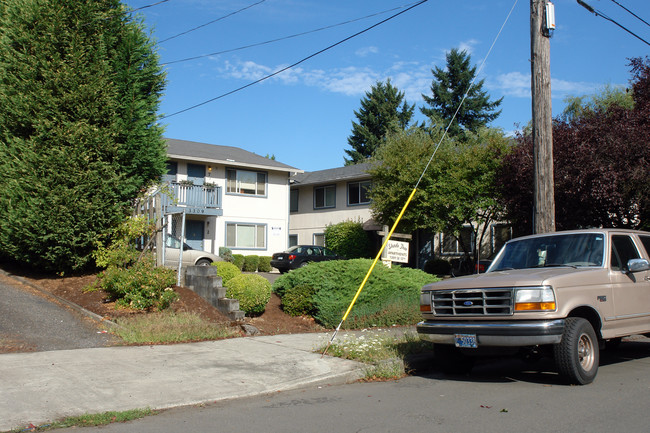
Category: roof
[226,155]
[349,172]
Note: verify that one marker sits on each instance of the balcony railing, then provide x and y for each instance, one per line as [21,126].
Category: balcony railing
[193,199]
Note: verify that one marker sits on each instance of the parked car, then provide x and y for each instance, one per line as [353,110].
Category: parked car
[191,257]
[561,294]
[301,255]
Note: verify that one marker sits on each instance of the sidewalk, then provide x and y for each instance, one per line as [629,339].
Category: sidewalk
[44,386]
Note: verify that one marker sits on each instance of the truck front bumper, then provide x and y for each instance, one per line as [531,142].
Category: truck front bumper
[494,333]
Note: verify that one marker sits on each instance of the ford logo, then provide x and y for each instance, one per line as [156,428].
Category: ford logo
[468,303]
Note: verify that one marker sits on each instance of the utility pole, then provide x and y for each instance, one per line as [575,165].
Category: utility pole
[540,56]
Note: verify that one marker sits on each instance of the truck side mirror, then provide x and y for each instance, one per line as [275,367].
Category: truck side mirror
[638,265]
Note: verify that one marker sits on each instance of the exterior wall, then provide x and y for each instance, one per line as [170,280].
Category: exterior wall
[270,210]
[309,221]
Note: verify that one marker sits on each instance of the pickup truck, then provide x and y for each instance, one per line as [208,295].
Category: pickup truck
[561,294]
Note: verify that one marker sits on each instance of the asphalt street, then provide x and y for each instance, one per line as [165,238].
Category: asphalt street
[35,322]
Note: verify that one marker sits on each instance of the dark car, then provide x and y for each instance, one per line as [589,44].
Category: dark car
[301,255]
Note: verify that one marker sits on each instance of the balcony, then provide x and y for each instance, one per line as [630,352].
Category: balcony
[192,199]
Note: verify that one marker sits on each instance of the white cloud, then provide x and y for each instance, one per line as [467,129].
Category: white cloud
[517,84]
[366,51]
[468,45]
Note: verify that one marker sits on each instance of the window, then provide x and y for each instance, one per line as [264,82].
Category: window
[243,235]
[293,240]
[623,250]
[319,239]
[450,244]
[245,182]
[293,200]
[358,193]
[324,197]
[172,170]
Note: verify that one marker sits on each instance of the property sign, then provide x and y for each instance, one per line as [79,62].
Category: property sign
[397,251]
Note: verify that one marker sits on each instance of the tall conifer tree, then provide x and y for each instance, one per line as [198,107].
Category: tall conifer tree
[80,86]
[383,110]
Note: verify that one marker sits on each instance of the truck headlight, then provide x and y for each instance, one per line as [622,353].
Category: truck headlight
[535,299]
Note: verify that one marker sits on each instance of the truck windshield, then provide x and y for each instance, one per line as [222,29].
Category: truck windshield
[582,249]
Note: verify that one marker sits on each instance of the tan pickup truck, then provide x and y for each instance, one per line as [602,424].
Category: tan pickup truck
[563,294]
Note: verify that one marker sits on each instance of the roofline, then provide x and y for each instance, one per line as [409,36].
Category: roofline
[287,169]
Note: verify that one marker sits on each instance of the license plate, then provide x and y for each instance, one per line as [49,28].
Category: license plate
[466,341]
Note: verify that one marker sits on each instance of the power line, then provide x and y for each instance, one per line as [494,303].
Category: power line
[600,14]
[632,13]
[211,22]
[285,37]
[292,65]
[149,6]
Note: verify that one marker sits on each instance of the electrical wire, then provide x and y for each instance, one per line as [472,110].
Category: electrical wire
[600,14]
[211,22]
[149,6]
[266,77]
[632,13]
[285,37]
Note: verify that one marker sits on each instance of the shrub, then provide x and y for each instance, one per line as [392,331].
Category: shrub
[265,264]
[348,239]
[252,291]
[238,260]
[226,254]
[393,292]
[226,271]
[250,263]
[298,301]
[437,267]
[141,286]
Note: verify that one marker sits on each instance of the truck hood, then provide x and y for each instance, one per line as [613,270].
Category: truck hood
[556,276]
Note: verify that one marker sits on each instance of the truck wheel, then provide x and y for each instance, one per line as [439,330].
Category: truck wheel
[577,355]
[451,360]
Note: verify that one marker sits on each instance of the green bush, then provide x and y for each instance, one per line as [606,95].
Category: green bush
[250,263]
[265,264]
[238,260]
[298,301]
[252,291]
[392,292]
[226,271]
[437,267]
[226,254]
[141,286]
[348,239]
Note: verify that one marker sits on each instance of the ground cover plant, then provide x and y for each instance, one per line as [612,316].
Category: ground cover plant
[325,290]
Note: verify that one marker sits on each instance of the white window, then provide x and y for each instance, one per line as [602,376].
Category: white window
[324,196]
[245,182]
[319,239]
[245,235]
[358,193]
[450,244]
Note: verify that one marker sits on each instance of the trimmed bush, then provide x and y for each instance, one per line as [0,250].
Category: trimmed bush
[437,267]
[252,291]
[250,263]
[265,264]
[348,239]
[298,301]
[226,271]
[394,293]
[238,260]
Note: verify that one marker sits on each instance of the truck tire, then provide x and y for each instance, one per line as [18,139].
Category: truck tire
[577,355]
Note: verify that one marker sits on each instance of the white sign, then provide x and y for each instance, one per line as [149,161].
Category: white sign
[397,251]
[276,231]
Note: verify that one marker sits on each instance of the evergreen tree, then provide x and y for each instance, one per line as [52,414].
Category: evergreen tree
[79,89]
[383,110]
[447,89]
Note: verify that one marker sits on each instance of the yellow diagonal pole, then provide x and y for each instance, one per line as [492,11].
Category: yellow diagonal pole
[363,283]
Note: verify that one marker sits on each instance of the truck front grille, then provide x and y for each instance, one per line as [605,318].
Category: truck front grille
[472,302]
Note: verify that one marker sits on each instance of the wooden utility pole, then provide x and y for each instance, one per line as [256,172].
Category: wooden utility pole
[540,56]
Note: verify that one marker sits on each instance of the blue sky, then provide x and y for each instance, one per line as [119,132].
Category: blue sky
[304,115]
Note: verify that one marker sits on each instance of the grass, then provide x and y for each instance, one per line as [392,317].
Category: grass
[168,327]
[384,352]
[93,420]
